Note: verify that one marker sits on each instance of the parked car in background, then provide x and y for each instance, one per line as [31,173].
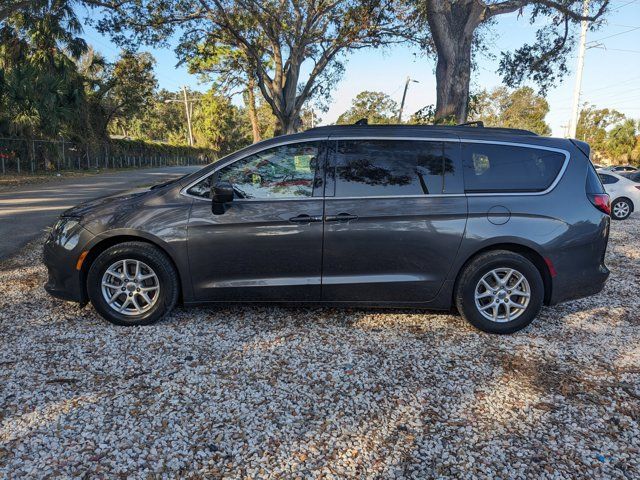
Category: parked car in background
[624,194]
[621,168]
[633,176]
[496,222]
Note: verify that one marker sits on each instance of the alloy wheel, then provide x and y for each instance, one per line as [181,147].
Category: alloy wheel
[130,287]
[502,295]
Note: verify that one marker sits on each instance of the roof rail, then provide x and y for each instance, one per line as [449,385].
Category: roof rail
[477,123]
[451,128]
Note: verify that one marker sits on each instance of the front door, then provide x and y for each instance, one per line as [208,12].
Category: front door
[267,245]
[395,214]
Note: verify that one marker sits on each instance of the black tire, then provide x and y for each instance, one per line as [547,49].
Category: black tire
[481,265]
[626,206]
[154,258]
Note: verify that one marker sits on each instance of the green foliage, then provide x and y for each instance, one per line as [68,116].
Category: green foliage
[41,91]
[594,123]
[424,116]
[520,108]
[376,107]
[128,88]
[269,39]
[610,134]
[622,140]
[218,123]
[52,84]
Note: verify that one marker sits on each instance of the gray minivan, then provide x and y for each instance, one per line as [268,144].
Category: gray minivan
[496,222]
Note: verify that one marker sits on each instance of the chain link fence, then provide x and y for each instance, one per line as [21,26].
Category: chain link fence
[23,156]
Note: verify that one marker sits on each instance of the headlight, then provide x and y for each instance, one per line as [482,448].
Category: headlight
[66,232]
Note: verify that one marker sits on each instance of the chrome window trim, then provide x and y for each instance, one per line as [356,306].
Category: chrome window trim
[375,137]
[524,145]
[566,154]
[392,197]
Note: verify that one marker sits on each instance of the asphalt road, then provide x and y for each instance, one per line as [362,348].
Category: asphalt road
[25,212]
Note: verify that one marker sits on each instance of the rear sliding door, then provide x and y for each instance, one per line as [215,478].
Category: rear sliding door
[395,213]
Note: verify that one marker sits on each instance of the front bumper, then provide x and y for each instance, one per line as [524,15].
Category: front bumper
[64,281]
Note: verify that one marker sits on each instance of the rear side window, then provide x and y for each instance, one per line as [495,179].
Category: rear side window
[607,179]
[365,168]
[509,168]
[594,186]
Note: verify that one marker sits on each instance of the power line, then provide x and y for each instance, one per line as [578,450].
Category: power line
[615,35]
[619,50]
[624,82]
[624,5]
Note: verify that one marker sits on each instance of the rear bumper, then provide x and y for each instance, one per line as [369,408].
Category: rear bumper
[580,268]
[564,289]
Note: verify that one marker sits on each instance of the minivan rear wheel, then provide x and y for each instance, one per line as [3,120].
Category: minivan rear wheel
[500,292]
[132,283]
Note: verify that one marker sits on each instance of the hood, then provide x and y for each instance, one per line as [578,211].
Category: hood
[103,204]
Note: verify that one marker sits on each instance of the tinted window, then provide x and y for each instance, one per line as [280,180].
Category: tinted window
[286,171]
[365,168]
[607,179]
[507,168]
[593,185]
[634,177]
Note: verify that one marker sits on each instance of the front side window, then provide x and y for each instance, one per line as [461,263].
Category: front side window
[282,172]
[365,168]
[508,168]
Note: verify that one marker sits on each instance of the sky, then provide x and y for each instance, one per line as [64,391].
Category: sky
[611,75]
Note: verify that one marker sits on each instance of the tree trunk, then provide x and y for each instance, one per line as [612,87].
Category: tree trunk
[287,124]
[253,114]
[452,27]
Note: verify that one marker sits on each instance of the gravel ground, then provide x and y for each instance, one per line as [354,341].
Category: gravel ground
[257,392]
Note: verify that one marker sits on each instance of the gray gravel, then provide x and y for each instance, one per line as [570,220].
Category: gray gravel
[261,392]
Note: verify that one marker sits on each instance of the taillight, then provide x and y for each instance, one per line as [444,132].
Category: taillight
[601,202]
[637,186]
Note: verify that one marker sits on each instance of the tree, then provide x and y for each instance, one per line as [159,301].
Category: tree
[41,91]
[457,29]
[128,89]
[230,69]
[376,107]
[621,141]
[218,123]
[593,125]
[163,120]
[277,37]
[520,108]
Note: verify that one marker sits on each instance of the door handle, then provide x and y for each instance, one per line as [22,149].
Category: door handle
[341,217]
[304,218]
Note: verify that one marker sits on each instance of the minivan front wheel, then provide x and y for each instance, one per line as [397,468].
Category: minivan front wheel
[500,292]
[132,283]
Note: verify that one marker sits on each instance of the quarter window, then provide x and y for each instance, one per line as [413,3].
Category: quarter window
[286,171]
[507,168]
[364,168]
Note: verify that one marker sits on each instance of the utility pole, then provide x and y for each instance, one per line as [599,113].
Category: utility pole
[404,96]
[575,111]
[188,112]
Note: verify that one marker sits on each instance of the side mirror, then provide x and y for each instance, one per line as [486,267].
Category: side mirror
[221,193]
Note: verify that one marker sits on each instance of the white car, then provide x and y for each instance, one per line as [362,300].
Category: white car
[621,168]
[624,194]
